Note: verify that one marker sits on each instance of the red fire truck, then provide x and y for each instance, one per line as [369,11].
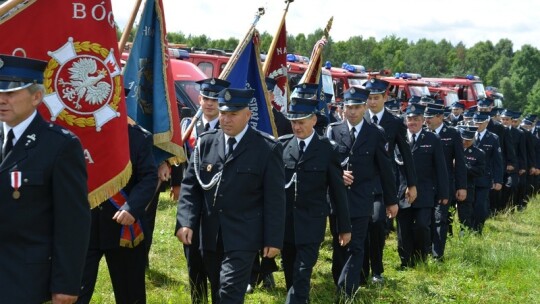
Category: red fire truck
[469,88]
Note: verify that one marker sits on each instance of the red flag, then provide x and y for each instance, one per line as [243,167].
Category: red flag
[83,83]
[275,67]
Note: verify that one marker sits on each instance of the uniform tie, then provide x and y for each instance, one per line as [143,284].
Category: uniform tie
[353,135]
[375,119]
[207,127]
[230,143]
[478,138]
[9,144]
[413,142]
[302,147]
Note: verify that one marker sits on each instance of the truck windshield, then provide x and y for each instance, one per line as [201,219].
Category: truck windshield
[417,90]
[479,89]
[187,92]
[450,98]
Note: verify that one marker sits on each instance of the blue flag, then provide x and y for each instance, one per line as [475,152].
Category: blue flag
[151,100]
[247,74]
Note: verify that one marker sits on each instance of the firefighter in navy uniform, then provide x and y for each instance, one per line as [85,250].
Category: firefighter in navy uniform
[233,186]
[395,134]
[475,161]
[208,99]
[493,174]
[457,175]
[312,169]
[531,143]
[414,220]
[367,167]
[125,211]
[456,116]
[44,211]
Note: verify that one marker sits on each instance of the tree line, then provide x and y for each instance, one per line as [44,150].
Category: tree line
[516,74]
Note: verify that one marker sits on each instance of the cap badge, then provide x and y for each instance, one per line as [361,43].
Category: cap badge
[413,108]
[353,91]
[213,81]
[227,96]
[1,63]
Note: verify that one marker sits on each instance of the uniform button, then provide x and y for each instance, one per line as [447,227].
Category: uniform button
[350,165]
[220,210]
[26,180]
[221,195]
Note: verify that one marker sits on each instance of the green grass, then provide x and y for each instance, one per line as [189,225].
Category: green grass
[500,266]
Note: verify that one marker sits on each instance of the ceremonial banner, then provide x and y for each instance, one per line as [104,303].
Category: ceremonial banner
[84,89]
[151,101]
[275,66]
[247,74]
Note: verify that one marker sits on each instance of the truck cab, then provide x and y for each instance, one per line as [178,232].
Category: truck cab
[403,86]
[469,88]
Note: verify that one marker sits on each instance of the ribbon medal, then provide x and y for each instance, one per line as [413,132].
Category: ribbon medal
[16,183]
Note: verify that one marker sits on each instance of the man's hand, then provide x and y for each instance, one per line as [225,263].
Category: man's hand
[185,234]
[344,239]
[461,194]
[522,171]
[58,298]
[443,201]
[164,172]
[175,192]
[392,211]
[348,178]
[270,252]
[497,187]
[509,168]
[123,217]
[410,194]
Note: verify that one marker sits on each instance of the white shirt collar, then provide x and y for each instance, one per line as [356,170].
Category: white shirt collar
[438,130]
[19,129]
[212,122]
[379,115]
[409,134]
[238,137]
[481,133]
[358,127]
[307,140]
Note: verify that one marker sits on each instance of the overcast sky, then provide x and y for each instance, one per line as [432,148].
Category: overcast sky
[468,21]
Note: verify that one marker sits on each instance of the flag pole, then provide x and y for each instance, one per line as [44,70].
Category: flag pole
[8,5]
[129,26]
[317,51]
[273,45]
[227,69]
[241,46]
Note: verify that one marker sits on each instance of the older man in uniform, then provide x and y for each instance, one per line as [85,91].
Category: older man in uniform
[414,219]
[312,169]
[208,100]
[367,166]
[457,175]
[394,131]
[44,211]
[235,185]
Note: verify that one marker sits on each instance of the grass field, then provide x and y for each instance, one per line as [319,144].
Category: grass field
[501,266]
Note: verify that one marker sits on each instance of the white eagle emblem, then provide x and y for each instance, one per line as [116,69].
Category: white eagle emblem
[85,82]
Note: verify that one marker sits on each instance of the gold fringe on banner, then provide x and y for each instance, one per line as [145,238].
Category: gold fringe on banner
[110,188]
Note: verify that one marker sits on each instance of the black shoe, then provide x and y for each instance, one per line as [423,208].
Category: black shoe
[268,282]
[249,288]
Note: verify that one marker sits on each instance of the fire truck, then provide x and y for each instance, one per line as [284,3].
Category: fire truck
[448,95]
[469,88]
[345,77]
[403,86]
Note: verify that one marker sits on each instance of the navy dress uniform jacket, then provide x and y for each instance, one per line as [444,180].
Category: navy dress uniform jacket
[248,206]
[371,166]
[475,160]
[139,190]
[455,161]
[432,178]
[43,234]
[494,162]
[318,172]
